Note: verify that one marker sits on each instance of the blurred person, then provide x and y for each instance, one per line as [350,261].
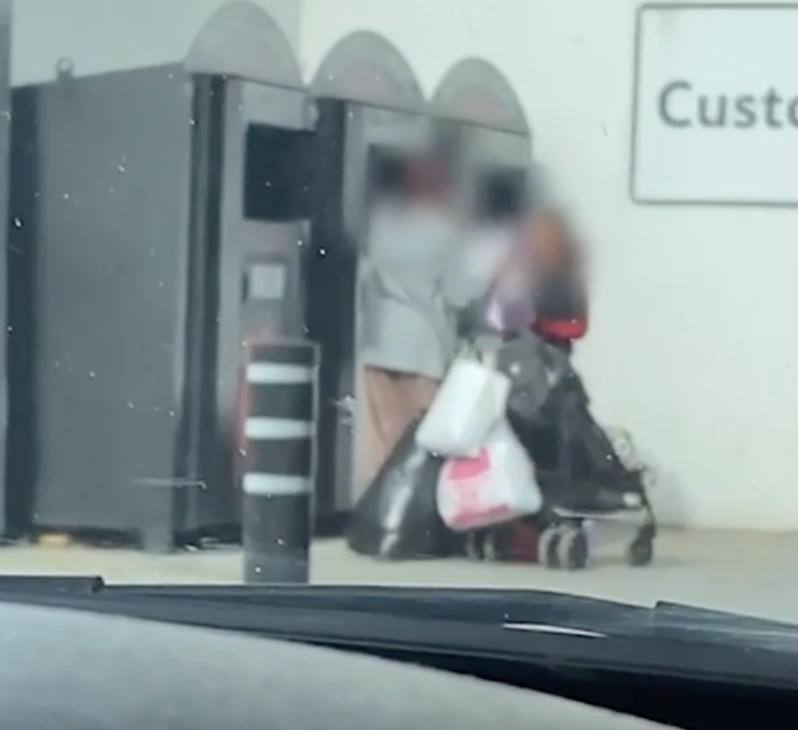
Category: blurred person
[528,276]
[408,335]
[494,273]
[560,307]
[536,289]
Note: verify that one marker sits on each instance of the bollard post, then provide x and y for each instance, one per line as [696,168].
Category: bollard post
[279,475]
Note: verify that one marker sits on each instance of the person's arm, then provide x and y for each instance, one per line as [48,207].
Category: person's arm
[472,268]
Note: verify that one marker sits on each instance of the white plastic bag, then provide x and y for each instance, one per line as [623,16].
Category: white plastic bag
[495,486]
[470,402]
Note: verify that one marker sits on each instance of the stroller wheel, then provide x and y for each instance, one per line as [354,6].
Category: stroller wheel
[573,549]
[548,546]
[640,551]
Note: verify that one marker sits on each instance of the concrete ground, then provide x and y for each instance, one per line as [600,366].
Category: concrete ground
[743,572]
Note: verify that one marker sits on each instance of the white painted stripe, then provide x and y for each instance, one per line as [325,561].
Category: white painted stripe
[275,484]
[276,428]
[548,629]
[270,373]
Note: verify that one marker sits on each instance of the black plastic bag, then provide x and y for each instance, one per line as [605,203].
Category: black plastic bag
[397,516]
[535,369]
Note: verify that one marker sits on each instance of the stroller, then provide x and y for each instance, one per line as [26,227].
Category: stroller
[583,481]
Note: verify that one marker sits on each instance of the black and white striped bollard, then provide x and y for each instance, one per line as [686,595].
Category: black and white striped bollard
[279,477]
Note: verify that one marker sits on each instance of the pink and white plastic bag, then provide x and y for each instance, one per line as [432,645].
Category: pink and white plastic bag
[494,486]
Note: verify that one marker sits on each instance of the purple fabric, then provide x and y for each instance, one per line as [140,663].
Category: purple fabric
[513,312]
[516,314]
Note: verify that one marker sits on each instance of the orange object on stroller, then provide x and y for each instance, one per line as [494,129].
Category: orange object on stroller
[561,309]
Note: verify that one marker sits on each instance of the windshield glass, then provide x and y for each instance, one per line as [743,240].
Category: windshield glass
[436,293]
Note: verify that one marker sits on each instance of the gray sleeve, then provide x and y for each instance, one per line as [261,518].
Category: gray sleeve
[462,282]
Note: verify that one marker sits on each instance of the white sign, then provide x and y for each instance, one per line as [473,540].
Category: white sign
[716,105]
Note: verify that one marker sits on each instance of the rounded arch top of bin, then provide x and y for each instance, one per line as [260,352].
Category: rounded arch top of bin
[475,91]
[242,40]
[366,67]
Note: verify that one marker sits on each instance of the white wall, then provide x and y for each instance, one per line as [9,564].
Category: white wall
[110,35]
[692,346]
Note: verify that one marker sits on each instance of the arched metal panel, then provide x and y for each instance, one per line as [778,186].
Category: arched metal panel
[365,67]
[242,40]
[475,91]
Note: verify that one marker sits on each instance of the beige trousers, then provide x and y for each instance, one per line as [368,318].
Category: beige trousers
[393,400]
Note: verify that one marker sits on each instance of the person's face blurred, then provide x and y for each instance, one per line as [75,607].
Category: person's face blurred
[425,180]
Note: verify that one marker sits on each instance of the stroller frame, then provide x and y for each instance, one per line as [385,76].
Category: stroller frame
[563,534]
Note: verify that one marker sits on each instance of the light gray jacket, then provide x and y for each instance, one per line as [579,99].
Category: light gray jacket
[407,318]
